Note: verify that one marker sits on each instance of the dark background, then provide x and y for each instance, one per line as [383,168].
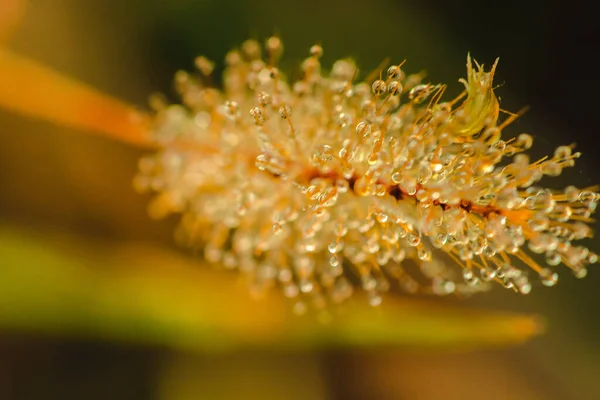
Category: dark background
[130,49]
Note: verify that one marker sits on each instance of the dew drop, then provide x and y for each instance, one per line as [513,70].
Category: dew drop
[334,261]
[393,71]
[262,162]
[382,218]
[379,87]
[424,254]
[549,278]
[525,289]
[413,240]
[306,286]
[580,273]
[316,51]
[374,299]
[285,111]
[467,274]
[363,129]
[344,120]
[332,247]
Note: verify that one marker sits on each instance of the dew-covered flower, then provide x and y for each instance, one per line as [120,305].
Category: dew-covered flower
[325,183]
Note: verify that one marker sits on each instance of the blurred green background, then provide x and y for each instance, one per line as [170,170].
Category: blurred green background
[97,303]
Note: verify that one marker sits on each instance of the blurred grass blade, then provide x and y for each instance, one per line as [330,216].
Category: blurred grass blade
[68,286]
[30,88]
[11,12]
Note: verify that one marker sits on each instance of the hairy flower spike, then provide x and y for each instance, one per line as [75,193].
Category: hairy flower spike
[324,185]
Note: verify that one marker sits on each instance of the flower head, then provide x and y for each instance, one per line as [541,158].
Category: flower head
[324,184]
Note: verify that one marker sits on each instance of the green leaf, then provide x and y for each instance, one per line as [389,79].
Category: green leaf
[66,285]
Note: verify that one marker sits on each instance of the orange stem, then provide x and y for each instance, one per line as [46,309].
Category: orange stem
[31,89]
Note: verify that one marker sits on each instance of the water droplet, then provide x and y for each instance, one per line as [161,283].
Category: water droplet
[306,286]
[467,274]
[285,111]
[393,71]
[276,228]
[549,278]
[344,120]
[374,299]
[395,88]
[262,162]
[332,247]
[382,218]
[379,87]
[525,289]
[413,240]
[316,51]
[580,273]
[334,261]
[424,254]
[363,129]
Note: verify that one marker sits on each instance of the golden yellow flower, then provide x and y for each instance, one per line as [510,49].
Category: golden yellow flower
[326,183]
[363,202]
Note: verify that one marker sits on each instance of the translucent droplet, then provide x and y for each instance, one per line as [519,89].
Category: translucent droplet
[373,159]
[369,283]
[383,257]
[316,51]
[285,111]
[413,240]
[524,141]
[379,87]
[257,114]
[380,190]
[374,299]
[419,92]
[306,286]
[424,254]
[334,261]
[580,273]
[441,239]
[262,162]
[467,274]
[276,228]
[395,88]
[393,71]
[344,120]
[487,274]
[382,218]
[310,246]
[442,286]
[373,246]
[562,152]
[332,247]
[553,259]
[525,289]
[549,278]
[342,185]
[363,129]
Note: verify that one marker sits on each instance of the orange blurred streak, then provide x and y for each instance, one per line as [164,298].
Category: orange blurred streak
[31,89]
[11,12]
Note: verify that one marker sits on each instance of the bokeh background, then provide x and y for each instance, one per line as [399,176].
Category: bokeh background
[70,223]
